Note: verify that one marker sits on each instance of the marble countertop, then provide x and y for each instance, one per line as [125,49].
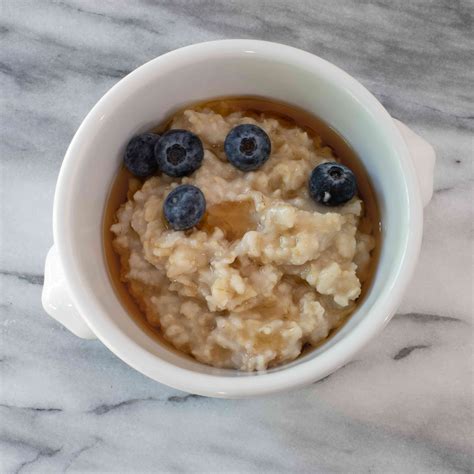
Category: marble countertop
[67,404]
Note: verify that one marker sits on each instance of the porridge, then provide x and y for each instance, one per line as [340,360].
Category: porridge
[225,248]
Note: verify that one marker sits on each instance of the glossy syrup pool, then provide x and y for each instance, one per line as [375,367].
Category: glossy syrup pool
[288,115]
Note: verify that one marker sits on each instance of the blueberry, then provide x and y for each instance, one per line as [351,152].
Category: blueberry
[179,153]
[247,147]
[184,207]
[139,156]
[332,184]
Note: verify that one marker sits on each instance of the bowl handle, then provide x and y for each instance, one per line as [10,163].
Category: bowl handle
[423,157]
[56,300]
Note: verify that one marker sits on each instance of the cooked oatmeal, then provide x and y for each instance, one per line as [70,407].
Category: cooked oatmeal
[266,272]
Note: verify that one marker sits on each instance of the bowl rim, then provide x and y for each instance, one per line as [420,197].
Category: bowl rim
[262,383]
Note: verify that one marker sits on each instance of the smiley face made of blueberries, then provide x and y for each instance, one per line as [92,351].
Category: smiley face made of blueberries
[179,153]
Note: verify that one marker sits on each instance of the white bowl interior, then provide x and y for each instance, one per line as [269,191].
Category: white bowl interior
[159,88]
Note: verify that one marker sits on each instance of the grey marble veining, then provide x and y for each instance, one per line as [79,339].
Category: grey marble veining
[404,405]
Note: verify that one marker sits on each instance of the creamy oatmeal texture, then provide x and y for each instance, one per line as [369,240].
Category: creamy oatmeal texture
[267,272]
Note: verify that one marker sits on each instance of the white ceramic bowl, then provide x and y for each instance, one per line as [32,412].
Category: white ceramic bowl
[77,290]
